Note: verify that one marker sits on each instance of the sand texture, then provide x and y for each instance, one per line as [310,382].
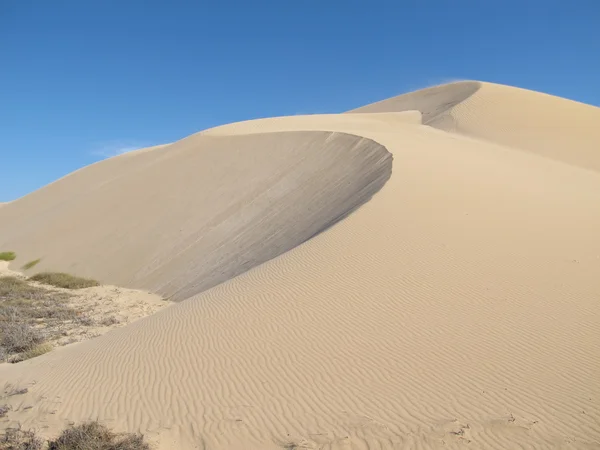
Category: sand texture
[233,202]
[454,305]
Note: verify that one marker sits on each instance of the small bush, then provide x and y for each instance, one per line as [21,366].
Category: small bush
[63,280]
[18,337]
[25,308]
[7,256]
[17,439]
[30,264]
[94,436]
[34,352]
[13,288]
[109,321]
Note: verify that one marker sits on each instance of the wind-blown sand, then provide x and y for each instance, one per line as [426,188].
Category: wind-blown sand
[457,308]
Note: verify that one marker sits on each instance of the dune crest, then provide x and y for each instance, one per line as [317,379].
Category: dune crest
[551,126]
[232,203]
[457,308]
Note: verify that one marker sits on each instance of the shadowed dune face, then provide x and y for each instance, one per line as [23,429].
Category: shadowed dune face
[433,103]
[181,219]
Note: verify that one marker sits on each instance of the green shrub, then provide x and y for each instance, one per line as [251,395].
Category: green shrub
[63,280]
[7,256]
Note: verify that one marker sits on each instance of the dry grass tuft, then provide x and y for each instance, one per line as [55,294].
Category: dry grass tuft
[86,436]
[63,280]
[94,436]
[16,337]
[17,439]
[30,264]
[7,256]
[34,352]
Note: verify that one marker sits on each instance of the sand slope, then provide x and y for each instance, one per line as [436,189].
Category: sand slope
[458,308]
[551,126]
[179,219]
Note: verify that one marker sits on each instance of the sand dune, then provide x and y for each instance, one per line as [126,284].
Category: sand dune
[232,203]
[457,308]
[551,126]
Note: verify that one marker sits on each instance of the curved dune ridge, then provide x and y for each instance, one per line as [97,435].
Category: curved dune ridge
[457,308]
[185,217]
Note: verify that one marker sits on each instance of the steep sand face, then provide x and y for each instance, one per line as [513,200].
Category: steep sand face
[180,219]
[551,126]
[434,103]
[458,308]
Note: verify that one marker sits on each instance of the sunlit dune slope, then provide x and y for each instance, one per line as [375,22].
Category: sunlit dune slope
[547,125]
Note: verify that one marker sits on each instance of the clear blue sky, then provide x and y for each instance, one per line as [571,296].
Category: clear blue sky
[81,79]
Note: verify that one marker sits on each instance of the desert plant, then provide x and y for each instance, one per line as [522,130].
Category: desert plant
[34,352]
[13,288]
[17,439]
[94,436]
[63,280]
[18,337]
[7,256]
[30,264]
[108,321]
[25,308]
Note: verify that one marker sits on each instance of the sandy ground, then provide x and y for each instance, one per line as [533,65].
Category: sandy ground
[457,308]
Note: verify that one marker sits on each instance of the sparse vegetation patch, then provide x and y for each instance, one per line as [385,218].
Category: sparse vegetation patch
[34,317]
[86,436]
[31,264]
[63,280]
[94,436]
[18,439]
[29,317]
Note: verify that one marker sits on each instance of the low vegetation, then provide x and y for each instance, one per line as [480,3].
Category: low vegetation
[85,436]
[17,439]
[29,317]
[63,280]
[31,264]
[36,317]
[7,256]
[94,436]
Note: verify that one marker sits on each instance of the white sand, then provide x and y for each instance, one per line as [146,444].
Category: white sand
[458,308]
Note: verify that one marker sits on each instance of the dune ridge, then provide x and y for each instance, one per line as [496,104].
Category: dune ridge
[243,211]
[457,308]
[555,127]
